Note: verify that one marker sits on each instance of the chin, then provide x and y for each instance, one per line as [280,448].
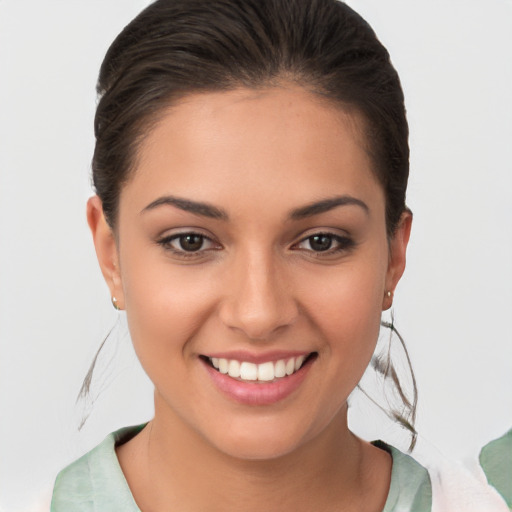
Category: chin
[258,449]
[260,442]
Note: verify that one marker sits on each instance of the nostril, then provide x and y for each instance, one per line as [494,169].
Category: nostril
[257,324]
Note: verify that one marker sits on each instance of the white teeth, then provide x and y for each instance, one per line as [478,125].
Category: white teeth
[264,372]
[298,362]
[248,371]
[223,365]
[280,369]
[234,368]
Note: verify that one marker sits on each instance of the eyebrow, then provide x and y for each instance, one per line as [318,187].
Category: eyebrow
[326,205]
[196,207]
[213,212]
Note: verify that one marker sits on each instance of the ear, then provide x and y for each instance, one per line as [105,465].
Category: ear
[106,249]
[397,251]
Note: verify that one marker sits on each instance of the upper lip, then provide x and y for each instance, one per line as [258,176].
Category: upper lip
[258,358]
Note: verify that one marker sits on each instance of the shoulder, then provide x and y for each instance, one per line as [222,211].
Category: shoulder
[496,461]
[95,481]
[410,487]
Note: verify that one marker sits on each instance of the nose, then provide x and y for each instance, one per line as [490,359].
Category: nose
[259,298]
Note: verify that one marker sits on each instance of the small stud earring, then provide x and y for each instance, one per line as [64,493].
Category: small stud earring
[114,303]
[389,294]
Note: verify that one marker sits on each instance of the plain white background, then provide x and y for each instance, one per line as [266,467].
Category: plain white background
[454,305]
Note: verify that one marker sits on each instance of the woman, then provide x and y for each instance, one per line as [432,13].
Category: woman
[250,167]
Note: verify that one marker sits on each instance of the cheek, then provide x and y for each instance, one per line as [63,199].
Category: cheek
[346,307]
[165,306]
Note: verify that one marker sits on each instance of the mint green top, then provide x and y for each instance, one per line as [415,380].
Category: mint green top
[496,461]
[96,483]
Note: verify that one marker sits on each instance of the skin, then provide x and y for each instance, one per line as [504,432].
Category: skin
[257,286]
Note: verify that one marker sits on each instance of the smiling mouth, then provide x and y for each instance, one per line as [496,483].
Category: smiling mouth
[264,372]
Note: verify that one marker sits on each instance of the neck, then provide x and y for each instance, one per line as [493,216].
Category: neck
[179,467]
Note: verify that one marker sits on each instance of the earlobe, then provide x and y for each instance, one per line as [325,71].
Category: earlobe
[106,248]
[397,257]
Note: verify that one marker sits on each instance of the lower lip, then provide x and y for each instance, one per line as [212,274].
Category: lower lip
[258,393]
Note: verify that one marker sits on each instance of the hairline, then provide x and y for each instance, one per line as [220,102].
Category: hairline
[145,126]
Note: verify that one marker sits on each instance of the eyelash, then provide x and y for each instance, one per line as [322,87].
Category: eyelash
[343,243]
[166,243]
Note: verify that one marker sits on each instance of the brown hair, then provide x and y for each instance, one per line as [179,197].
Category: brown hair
[178,47]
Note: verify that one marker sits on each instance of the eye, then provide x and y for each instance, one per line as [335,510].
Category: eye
[327,243]
[187,244]
[320,242]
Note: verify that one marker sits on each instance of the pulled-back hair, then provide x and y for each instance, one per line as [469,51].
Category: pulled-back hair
[178,47]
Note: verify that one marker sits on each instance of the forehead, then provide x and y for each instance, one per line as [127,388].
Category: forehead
[255,144]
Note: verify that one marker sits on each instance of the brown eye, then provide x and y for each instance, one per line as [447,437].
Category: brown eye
[188,243]
[191,242]
[320,243]
[327,243]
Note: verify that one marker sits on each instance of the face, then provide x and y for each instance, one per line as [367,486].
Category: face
[252,260]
